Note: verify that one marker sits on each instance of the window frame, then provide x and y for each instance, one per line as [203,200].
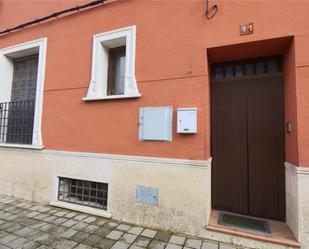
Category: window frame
[101,44]
[6,56]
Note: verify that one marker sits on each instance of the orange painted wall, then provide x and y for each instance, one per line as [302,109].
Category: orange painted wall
[171,69]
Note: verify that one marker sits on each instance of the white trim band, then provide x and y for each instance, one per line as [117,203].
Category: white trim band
[297,169]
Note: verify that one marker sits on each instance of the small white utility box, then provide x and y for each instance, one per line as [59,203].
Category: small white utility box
[187,120]
[155,123]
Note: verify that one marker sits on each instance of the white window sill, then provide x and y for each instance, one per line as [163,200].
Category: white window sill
[22,146]
[112,97]
[82,209]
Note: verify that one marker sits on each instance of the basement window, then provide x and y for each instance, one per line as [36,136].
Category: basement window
[113,66]
[81,192]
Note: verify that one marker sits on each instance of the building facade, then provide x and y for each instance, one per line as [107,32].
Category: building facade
[154,113]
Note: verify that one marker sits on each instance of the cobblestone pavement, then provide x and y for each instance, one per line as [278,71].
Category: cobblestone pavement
[32,225]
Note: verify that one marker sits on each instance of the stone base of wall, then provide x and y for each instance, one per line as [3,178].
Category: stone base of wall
[297,202]
[183,185]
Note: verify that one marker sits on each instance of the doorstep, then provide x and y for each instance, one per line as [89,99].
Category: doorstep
[281,233]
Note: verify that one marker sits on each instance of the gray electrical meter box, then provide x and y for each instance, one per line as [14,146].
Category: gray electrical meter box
[187,120]
[155,123]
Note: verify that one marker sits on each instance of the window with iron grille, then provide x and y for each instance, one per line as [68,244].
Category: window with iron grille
[86,193]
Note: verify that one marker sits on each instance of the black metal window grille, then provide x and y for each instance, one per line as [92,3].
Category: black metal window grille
[16,122]
[86,193]
[247,68]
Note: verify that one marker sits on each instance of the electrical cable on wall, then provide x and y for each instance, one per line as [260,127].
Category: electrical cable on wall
[54,15]
[210,13]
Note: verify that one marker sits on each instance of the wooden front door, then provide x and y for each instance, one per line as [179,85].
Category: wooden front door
[248,140]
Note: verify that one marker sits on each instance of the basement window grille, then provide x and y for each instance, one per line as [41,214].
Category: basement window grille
[86,193]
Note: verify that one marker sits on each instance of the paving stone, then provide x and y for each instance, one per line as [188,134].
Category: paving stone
[149,233]
[92,240]
[114,235]
[59,230]
[136,247]
[41,216]
[79,226]
[34,234]
[136,230]
[14,228]
[61,213]
[50,218]
[163,236]
[128,238]
[3,234]
[142,241]
[35,207]
[7,225]
[31,245]
[32,214]
[42,237]
[100,222]
[80,236]
[70,223]
[70,215]
[25,221]
[18,243]
[82,246]
[4,247]
[111,224]
[48,228]
[23,232]
[225,246]
[21,204]
[173,246]
[53,211]
[28,206]
[210,245]
[68,233]
[193,243]
[80,217]
[44,209]
[105,244]
[67,244]
[103,231]
[4,215]
[120,245]
[91,228]
[89,219]
[44,247]
[177,239]
[12,217]
[59,221]
[7,239]
[123,227]
[156,244]
[38,224]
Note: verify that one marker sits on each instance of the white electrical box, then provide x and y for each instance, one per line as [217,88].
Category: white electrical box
[155,123]
[187,120]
